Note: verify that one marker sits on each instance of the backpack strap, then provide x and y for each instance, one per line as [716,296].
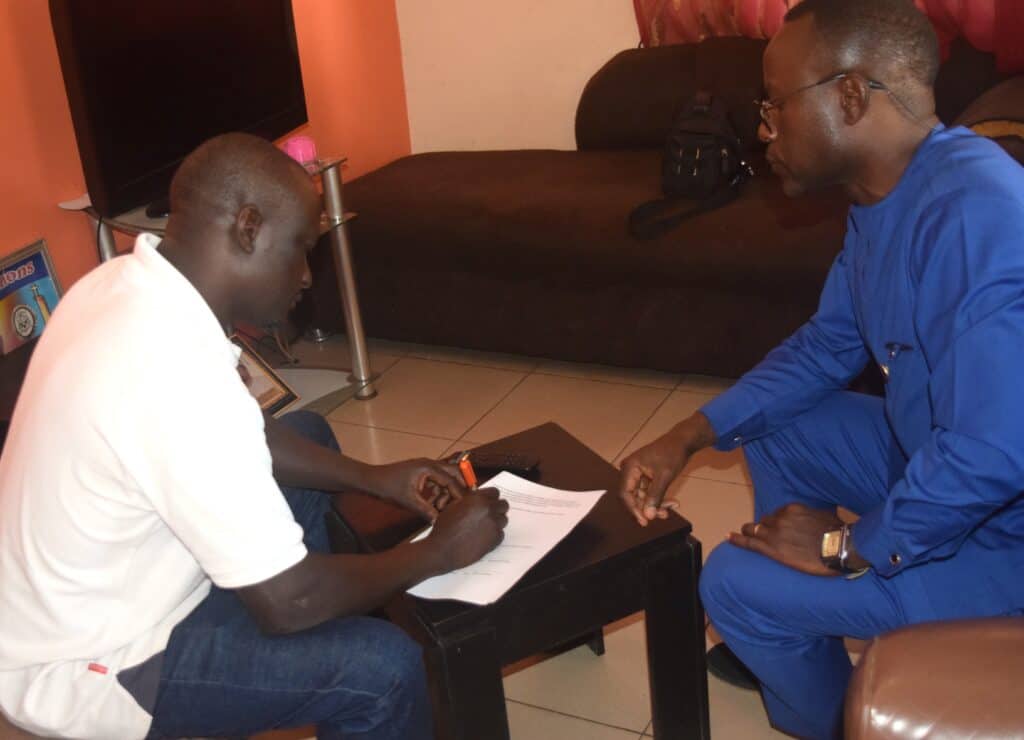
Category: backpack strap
[657,217]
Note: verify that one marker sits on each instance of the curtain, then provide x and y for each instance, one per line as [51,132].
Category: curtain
[996,26]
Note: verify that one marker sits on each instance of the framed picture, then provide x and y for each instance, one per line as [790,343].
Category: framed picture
[29,292]
[266,386]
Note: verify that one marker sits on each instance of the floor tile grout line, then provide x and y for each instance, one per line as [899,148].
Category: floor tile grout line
[524,374]
[368,341]
[644,423]
[719,480]
[470,364]
[573,716]
[707,392]
[632,384]
[380,375]
[494,406]
[399,351]
[393,431]
[693,392]
[536,369]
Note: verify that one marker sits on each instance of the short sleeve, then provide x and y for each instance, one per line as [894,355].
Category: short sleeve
[199,455]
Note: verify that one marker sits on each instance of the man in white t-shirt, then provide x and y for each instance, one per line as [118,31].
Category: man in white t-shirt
[164,566]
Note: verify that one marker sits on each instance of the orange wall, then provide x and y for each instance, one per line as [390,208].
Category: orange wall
[352,69]
[39,164]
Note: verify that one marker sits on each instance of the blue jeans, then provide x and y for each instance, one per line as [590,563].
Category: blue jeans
[356,678]
[786,626]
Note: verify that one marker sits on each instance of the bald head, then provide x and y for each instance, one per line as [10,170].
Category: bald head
[889,40]
[230,171]
[243,218]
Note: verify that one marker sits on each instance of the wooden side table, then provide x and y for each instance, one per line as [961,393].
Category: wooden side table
[606,569]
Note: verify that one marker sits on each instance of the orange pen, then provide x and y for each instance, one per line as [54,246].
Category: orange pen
[466,468]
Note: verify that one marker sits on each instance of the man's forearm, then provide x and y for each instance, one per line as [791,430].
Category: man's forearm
[694,433]
[301,463]
[322,587]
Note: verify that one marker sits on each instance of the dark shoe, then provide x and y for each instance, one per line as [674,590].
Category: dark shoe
[725,666]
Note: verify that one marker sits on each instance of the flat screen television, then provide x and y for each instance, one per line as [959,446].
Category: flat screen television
[149,81]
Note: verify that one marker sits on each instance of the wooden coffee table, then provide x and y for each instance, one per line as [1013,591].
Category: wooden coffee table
[606,569]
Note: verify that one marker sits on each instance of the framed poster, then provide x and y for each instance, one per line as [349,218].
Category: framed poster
[266,386]
[29,292]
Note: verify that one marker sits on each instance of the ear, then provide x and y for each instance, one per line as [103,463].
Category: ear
[854,94]
[248,223]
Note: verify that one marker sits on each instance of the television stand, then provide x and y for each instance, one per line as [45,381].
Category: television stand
[333,223]
[159,207]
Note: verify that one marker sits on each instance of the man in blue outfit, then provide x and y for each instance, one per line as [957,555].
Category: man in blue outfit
[930,286]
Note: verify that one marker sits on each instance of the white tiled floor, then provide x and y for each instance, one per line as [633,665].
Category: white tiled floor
[433,400]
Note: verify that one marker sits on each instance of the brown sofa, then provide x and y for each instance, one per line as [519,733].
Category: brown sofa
[528,251]
[961,679]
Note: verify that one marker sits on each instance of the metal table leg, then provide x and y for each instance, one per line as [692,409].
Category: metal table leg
[361,374]
[105,243]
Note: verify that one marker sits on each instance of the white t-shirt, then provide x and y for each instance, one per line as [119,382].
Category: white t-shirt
[136,470]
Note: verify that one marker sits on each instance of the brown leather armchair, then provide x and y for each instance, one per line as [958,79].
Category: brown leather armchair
[9,731]
[961,679]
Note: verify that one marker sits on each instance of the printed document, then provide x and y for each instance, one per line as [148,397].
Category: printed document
[538,518]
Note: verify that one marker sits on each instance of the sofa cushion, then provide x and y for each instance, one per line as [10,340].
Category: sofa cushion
[552,210]
[538,261]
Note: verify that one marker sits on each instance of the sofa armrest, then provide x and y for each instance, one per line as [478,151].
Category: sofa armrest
[999,114]
[940,680]
[631,101]
[10,731]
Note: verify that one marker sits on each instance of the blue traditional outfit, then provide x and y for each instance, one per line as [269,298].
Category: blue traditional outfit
[929,285]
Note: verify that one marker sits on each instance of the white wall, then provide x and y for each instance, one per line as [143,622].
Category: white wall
[504,74]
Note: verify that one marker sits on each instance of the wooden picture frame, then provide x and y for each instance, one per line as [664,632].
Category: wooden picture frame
[273,394]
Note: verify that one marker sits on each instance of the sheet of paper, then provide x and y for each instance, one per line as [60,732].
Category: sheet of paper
[538,518]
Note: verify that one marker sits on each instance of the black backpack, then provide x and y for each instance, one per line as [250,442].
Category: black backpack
[703,163]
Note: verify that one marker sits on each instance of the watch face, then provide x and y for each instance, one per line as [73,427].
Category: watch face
[830,543]
[24,321]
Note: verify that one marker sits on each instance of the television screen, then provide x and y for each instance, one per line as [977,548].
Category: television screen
[149,81]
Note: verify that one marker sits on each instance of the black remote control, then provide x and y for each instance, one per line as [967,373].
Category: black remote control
[489,464]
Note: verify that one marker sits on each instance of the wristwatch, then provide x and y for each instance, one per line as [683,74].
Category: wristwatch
[835,549]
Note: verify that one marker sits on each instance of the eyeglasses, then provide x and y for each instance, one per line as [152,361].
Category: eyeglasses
[776,103]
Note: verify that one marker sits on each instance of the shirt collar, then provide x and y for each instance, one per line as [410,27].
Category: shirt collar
[189,301]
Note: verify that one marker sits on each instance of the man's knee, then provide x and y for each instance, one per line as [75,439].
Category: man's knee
[404,660]
[388,657]
[390,677]
[312,426]
[723,578]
